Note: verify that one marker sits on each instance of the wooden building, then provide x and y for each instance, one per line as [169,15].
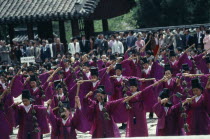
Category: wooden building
[41,13]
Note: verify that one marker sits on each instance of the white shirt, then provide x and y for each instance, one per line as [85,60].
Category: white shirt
[117,47]
[135,93]
[73,48]
[197,98]
[27,108]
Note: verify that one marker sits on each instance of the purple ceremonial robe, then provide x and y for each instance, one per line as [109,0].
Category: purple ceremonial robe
[37,94]
[8,101]
[130,68]
[25,122]
[100,64]
[198,118]
[67,130]
[117,89]
[101,128]
[172,86]
[157,71]
[17,87]
[170,122]
[201,63]
[137,123]
[177,66]
[54,103]
[43,77]
[5,126]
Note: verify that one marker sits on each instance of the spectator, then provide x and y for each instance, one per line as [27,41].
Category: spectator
[4,51]
[84,45]
[45,51]
[58,47]
[74,47]
[117,47]
[206,41]
[131,39]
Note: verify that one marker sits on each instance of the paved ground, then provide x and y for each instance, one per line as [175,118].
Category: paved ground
[150,122]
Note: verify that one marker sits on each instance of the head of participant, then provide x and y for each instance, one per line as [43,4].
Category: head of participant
[168,70]
[33,81]
[58,87]
[94,73]
[172,56]
[101,94]
[26,97]
[145,63]
[65,110]
[165,93]
[118,69]
[196,86]
[133,85]
[86,67]
[185,68]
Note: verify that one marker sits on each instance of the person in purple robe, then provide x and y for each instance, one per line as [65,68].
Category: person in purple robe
[5,127]
[39,93]
[172,83]
[65,126]
[136,122]
[99,113]
[32,119]
[169,116]
[198,109]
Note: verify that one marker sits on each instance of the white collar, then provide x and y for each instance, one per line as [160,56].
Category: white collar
[119,78]
[59,95]
[166,109]
[64,121]
[134,61]
[169,81]
[197,98]
[173,62]
[27,108]
[100,106]
[34,89]
[95,83]
[66,69]
[134,93]
[88,74]
[147,70]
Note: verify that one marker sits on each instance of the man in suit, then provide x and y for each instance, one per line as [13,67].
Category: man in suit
[198,38]
[45,51]
[84,45]
[131,39]
[187,39]
[58,48]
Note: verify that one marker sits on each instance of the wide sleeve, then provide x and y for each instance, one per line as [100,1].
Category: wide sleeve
[157,71]
[158,110]
[80,122]
[17,87]
[118,110]
[207,99]
[48,93]
[53,122]
[43,77]
[148,97]
[88,108]
[41,113]
[201,63]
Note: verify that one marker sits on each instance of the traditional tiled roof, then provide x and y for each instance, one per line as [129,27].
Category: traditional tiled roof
[40,10]
[12,11]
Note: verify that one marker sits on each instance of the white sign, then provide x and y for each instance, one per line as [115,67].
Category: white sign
[30,59]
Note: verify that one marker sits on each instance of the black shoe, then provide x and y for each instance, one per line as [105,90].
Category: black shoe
[151,115]
[123,126]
